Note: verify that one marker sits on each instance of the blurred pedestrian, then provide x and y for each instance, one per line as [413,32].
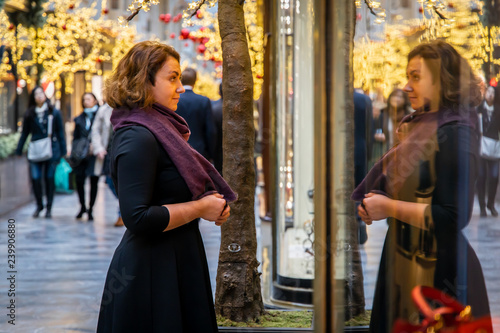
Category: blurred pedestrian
[363,134]
[40,119]
[489,110]
[101,138]
[164,187]
[217,115]
[85,169]
[424,187]
[197,111]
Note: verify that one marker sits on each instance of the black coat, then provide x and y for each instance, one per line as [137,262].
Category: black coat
[217,113]
[81,131]
[197,111]
[363,134]
[39,130]
[491,128]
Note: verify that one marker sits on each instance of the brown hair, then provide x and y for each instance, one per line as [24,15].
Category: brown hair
[459,84]
[188,77]
[131,82]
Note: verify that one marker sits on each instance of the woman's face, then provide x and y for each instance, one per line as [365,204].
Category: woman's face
[168,86]
[421,89]
[397,100]
[39,97]
[89,101]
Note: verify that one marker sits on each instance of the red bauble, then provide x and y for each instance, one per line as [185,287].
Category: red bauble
[162,17]
[64,27]
[420,10]
[259,76]
[98,60]
[199,15]
[11,26]
[201,48]
[167,18]
[358,17]
[494,82]
[71,6]
[212,59]
[105,11]
[205,40]
[451,5]
[172,35]
[175,19]
[185,33]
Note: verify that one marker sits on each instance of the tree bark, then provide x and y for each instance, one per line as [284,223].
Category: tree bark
[238,293]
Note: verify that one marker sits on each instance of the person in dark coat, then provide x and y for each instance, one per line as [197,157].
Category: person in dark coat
[217,115]
[83,127]
[489,169]
[36,122]
[197,111]
[424,186]
[363,134]
[158,279]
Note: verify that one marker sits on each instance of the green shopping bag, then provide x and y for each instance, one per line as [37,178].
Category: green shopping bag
[62,177]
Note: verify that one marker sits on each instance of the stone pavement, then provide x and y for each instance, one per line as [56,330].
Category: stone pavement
[61,263]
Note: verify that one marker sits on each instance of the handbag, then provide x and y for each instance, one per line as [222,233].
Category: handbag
[490,148]
[450,317]
[79,151]
[41,150]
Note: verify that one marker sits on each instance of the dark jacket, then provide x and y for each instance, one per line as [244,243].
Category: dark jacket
[491,128]
[217,113]
[363,134]
[87,165]
[39,130]
[197,111]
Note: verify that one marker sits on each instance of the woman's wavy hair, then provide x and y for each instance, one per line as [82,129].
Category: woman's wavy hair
[460,86]
[131,82]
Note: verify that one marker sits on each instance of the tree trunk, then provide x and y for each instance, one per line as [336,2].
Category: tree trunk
[354,289]
[238,294]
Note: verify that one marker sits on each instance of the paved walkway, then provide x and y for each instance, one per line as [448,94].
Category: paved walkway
[61,262]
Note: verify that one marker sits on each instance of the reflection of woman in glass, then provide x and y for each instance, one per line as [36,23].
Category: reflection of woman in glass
[398,106]
[425,188]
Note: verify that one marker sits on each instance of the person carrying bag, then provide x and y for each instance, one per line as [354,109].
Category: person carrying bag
[41,150]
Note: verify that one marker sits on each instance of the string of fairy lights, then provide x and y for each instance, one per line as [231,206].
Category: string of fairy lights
[379,65]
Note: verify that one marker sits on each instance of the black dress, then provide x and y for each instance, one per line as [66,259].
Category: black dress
[440,256]
[157,281]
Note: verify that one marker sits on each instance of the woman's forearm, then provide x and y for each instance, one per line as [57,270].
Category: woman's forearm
[415,214]
[182,213]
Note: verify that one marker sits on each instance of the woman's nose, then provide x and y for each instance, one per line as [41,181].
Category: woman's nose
[407,87]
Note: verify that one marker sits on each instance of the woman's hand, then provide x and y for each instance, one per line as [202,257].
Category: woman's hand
[377,207]
[213,208]
[364,215]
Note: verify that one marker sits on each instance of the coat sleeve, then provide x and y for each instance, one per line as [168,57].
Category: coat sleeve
[24,134]
[136,160]
[96,132]
[59,132]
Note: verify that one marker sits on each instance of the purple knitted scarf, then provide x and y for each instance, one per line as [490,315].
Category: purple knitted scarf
[418,143]
[172,131]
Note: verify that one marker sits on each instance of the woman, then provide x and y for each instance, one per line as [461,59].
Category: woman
[36,123]
[398,106]
[489,169]
[83,127]
[425,188]
[164,187]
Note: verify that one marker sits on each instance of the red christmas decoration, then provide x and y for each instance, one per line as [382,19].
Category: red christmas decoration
[185,33]
[162,17]
[259,76]
[167,18]
[72,6]
[64,27]
[193,38]
[199,15]
[105,11]
[11,26]
[212,59]
[451,5]
[205,40]
[175,19]
[358,17]
[172,35]
[494,82]
[98,60]
[201,48]
[202,29]
[420,10]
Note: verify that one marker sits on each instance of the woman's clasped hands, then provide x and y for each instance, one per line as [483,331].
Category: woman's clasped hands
[375,207]
[215,208]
